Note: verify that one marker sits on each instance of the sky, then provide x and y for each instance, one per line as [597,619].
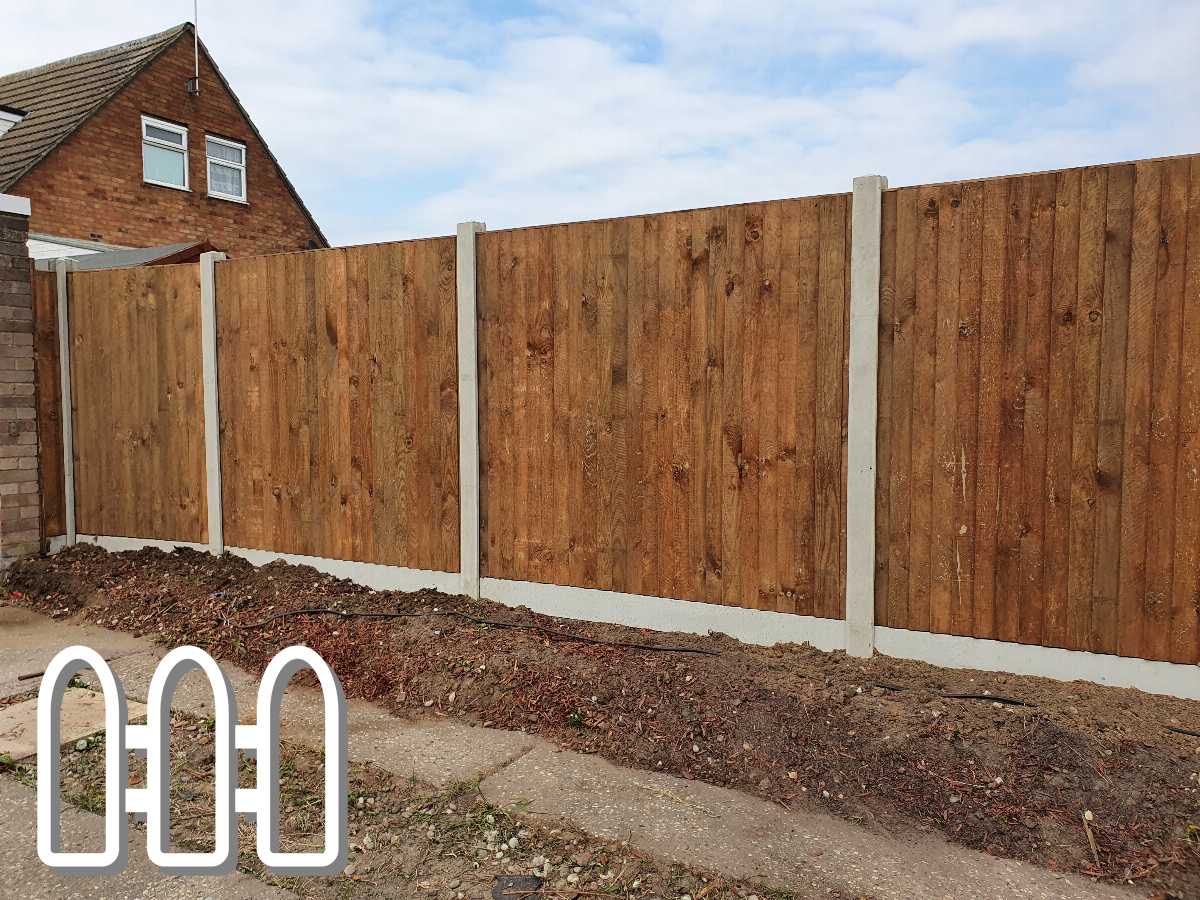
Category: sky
[398,120]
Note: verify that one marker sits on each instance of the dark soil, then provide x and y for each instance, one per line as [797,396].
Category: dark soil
[873,741]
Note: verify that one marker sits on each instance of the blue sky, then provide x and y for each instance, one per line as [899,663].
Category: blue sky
[400,119]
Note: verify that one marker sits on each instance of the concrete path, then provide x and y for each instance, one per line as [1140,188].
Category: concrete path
[22,873]
[719,830]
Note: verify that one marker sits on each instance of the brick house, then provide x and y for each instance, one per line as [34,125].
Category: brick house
[117,149]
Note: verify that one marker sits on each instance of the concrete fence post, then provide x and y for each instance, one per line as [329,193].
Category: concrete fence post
[66,409]
[212,409]
[468,410]
[866,225]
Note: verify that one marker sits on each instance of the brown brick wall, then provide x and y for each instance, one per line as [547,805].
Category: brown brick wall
[91,186]
[20,528]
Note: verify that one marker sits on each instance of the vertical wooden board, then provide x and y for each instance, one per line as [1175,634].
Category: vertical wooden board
[1109,440]
[1185,589]
[637,363]
[787,366]
[607,469]
[970,268]
[536,469]
[924,366]
[1063,327]
[1164,410]
[1010,524]
[808,307]
[908,219]
[524,400]
[1139,365]
[769,483]
[49,402]
[1093,205]
[829,469]
[389,524]
[502,516]
[943,576]
[753,335]
[695,428]
[989,423]
[885,411]
[674,282]
[734,464]
[716,252]
[490,484]
[619,451]
[1036,368]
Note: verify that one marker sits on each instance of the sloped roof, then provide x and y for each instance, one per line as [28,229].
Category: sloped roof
[187,251]
[61,96]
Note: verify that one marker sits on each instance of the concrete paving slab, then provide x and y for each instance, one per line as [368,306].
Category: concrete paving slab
[25,875]
[29,640]
[82,715]
[742,837]
[437,753]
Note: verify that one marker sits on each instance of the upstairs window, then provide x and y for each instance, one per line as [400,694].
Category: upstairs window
[226,169]
[164,154]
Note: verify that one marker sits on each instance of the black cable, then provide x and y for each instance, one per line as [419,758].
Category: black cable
[557,635]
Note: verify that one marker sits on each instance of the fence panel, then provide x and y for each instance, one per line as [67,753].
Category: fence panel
[136,382]
[338,396]
[49,402]
[1039,405]
[662,404]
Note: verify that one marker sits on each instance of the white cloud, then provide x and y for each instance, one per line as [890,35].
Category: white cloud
[401,120]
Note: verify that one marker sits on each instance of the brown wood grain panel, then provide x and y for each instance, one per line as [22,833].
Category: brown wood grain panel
[1037,302]
[945,472]
[967,323]
[49,401]
[1164,410]
[1063,329]
[688,423]
[990,403]
[1185,588]
[886,378]
[338,383]
[136,382]
[1139,366]
[1093,204]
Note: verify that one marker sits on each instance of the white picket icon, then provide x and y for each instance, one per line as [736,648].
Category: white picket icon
[260,740]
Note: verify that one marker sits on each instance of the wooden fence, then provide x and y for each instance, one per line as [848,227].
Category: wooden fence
[662,400]
[339,403]
[663,406]
[139,416]
[1039,403]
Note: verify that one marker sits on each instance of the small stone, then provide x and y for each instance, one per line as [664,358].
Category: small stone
[368,842]
[537,862]
[360,802]
[454,884]
[512,843]
[349,871]
[572,878]
[81,745]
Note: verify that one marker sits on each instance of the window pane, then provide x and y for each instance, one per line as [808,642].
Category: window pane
[163,165]
[224,151]
[162,134]
[225,180]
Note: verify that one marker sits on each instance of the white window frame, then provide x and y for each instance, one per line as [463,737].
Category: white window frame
[212,161]
[155,142]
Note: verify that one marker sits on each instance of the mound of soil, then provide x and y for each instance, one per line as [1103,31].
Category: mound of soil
[1010,766]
